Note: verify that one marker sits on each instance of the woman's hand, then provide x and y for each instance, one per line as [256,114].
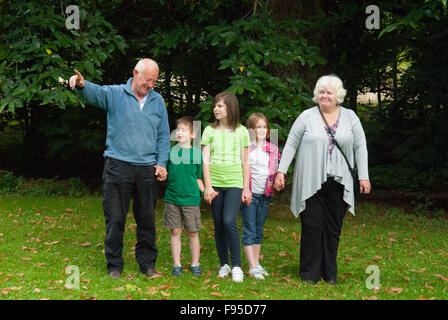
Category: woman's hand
[246,196]
[364,185]
[210,194]
[279,182]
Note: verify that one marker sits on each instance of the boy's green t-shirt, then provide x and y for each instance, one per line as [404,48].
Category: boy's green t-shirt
[184,168]
[226,151]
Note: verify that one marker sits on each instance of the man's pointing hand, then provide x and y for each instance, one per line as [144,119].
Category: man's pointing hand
[76,80]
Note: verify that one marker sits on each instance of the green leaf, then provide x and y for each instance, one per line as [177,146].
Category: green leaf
[3,105]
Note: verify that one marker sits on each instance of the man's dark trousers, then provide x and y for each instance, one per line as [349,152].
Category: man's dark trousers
[121,182]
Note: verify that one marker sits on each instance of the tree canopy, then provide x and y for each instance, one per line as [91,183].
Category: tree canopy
[268,52]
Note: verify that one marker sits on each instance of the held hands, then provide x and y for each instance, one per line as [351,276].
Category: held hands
[76,80]
[279,183]
[246,197]
[160,173]
[210,194]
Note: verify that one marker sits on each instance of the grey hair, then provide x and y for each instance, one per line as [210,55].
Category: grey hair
[143,63]
[330,80]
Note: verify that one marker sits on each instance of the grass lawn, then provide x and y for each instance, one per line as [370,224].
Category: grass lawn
[41,237]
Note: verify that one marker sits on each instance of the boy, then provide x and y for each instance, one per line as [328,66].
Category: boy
[183,195]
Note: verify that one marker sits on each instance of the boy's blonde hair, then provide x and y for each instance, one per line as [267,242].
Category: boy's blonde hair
[188,121]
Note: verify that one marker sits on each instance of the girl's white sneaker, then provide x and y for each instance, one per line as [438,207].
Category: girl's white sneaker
[224,271]
[261,269]
[256,273]
[237,274]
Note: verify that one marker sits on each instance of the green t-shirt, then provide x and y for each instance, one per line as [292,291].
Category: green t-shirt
[184,168]
[226,151]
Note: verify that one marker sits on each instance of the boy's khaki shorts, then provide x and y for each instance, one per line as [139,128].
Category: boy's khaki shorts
[174,215]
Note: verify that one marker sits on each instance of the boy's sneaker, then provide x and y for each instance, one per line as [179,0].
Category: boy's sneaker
[256,273]
[237,274]
[177,271]
[262,270]
[224,271]
[196,270]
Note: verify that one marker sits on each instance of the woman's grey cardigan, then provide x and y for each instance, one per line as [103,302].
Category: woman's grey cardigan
[314,163]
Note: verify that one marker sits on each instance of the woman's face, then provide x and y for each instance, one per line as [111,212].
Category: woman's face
[327,98]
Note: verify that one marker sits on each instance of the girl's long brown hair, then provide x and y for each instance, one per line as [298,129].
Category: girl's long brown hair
[232,108]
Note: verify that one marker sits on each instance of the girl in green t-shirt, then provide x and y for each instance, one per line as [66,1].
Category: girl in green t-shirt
[226,174]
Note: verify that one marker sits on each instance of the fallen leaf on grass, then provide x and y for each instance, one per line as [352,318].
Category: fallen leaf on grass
[85,244]
[41,264]
[282,266]
[151,290]
[442,277]
[166,294]
[394,290]
[428,286]
[51,243]
[423,298]
[206,281]
[128,296]
[165,285]
[215,293]
[345,275]
[6,290]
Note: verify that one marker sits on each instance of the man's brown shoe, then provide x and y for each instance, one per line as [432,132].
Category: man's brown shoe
[115,274]
[151,272]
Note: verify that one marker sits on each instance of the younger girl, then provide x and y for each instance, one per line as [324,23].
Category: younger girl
[226,177]
[264,159]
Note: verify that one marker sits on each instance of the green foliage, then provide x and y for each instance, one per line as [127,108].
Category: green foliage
[38,53]
[258,51]
[252,56]
[400,177]
[10,184]
[415,19]
[180,42]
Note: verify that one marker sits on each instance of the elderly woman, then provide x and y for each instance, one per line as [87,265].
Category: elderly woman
[322,183]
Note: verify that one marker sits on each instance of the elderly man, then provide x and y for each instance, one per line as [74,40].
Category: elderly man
[137,148]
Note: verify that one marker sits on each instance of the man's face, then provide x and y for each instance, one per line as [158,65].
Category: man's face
[144,81]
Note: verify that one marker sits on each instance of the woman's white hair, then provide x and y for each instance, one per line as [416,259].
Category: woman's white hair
[144,63]
[333,81]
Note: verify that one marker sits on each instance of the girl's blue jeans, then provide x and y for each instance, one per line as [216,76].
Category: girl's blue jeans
[254,217]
